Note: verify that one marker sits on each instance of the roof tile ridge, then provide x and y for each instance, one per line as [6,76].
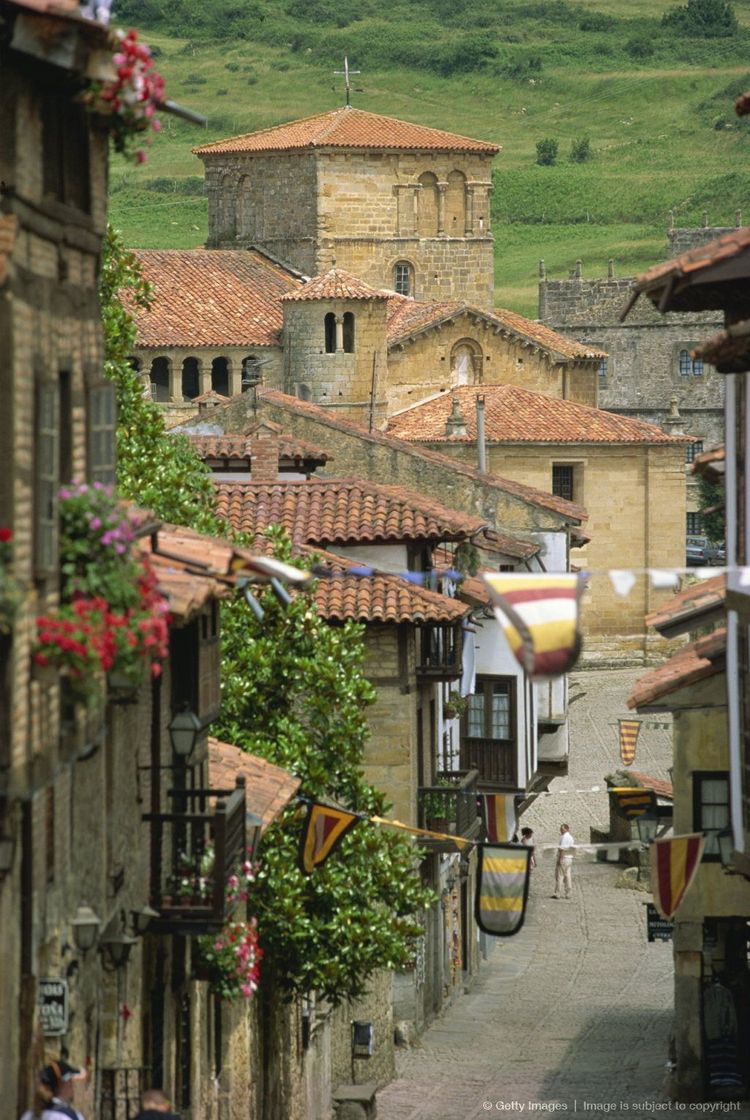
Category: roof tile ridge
[259,131]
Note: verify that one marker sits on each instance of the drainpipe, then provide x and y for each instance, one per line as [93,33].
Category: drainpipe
[481,443]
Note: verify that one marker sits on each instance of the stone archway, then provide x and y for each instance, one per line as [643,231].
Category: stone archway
[466,362]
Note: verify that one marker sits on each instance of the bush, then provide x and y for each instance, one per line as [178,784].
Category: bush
[640,47]
[546,152]
[705,19]
[232,66]
[597,21]
[580,150]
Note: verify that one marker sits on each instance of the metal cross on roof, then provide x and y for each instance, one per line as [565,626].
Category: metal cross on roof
[346,72]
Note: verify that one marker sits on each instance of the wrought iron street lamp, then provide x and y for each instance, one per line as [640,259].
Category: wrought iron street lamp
[183,732]
[115,949]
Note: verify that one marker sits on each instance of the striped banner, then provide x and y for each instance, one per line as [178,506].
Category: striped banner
[324,827]
[634,801]
[500,819]
[538,613]
[674,863]
[629,729]
[502,888]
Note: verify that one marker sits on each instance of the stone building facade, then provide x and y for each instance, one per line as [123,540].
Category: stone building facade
[400,205]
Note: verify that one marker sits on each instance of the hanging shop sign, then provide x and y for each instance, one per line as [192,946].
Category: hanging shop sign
[53,1006]
[659,929]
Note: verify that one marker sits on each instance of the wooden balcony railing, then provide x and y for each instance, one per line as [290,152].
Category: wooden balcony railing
[495,759]
[194,850]
[439,653]
[451,809]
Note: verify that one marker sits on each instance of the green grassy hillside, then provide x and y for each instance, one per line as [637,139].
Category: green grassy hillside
[656,105]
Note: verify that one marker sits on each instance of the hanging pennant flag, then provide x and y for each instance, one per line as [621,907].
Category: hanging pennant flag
[502,888]
[623,581]
[634,801]
[500,819]
[674,863]
[323,829]
[664,579]
[629,729]
[539,616]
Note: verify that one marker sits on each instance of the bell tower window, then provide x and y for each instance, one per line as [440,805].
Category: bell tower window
[348,332]
[330,332]
[403,278]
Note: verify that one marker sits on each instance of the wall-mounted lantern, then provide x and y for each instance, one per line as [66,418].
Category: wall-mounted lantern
[85,927]
[184,731]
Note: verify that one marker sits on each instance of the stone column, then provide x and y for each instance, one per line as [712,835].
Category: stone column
[442,188]
[469,211]
[405,208]
[204,375]
[339,333]
[234,368]
[415,208]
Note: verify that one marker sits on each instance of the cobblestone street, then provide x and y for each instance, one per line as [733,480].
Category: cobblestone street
[575,1011]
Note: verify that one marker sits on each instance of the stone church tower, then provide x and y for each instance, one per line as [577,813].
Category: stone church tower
[335,351]
[399,205]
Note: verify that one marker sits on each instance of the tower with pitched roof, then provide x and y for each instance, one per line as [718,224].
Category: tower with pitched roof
[399,205]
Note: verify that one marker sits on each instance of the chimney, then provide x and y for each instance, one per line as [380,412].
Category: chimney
[455,425]
[264,462]
[481,443]
[673,422]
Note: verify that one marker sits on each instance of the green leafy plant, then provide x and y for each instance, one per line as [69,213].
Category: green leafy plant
[705,19]
[546,152]
[580,150]
[440,806]
[455,705]
[10,592]
[233,957]
[293,691]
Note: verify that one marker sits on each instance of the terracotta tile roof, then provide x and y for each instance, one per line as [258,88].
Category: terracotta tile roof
[341,511]
[348,128]
[335,284]
[724,248]
[8,233]
[207,297]
[503,544]
[728,351]
[379,598]
[268,788]
[241,447]
[569,511]
[695,662]
[211,397]
[660,786]
[515,415]
[694,606]
[408,317]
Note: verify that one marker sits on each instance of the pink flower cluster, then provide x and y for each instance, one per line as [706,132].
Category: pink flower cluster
[132,98]
[237,884]
[237,955]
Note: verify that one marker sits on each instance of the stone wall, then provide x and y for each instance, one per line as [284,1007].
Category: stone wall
[390,761]
[427,365]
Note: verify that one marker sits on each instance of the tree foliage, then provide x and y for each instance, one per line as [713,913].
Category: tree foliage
[546,152]
[704,19]
[160,472]
[711,499]
[293,691]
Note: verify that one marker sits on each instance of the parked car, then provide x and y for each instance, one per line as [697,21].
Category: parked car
[700,551]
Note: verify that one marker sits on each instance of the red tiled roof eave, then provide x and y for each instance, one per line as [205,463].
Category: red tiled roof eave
[516,415]
[695,662]
[703,278]
[335,284]
[691,607]
[268,788]
[351,128]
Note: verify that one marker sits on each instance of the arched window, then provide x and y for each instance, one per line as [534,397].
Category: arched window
[427,205]
[348,332]
[466,362]
[251,374]
[220,376]
[134,363]
[304,392]
[455,205]
[330,332]
[191,382]
[403,278]
[159,378]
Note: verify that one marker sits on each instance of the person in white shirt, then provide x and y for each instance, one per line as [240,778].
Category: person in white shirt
[54,1093]
[564,864]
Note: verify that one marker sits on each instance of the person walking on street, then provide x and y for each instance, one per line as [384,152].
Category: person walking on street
[527,838]
[54,1093]
[155,1105]
[564,864]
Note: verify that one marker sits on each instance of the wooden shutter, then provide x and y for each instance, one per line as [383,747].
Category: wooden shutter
[46,477]
[102,419]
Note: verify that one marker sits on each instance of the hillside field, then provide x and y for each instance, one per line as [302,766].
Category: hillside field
[662,129]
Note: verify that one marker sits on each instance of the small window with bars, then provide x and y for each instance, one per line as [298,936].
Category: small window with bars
[563,480]
[603,371]
[692,450]
[693,527]
[402,278]
[689,367]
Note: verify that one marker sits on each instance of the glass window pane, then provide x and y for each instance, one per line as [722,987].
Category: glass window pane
[500,712]
[714,791]
[476,716]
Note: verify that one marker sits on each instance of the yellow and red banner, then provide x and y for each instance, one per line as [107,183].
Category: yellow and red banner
[323,829]
[674,863]
[538,613]
[629,729]
[502,888]
[634,801]
[500,819]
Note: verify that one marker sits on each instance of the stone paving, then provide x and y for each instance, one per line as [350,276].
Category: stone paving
[573,1014]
